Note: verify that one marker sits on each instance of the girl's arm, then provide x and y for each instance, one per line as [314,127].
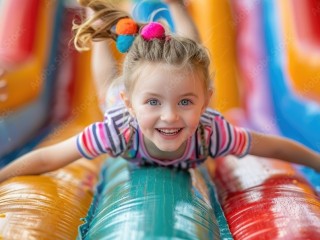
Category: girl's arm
[284,149]
[42,160]
[104,66]
[184,24]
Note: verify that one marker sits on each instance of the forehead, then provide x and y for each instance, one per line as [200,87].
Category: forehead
[151,74]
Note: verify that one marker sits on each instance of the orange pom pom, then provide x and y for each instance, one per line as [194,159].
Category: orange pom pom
[126,26]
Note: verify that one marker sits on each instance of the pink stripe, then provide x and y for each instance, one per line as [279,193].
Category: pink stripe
[84,145]
[242,143]
[223,134]
[236,139]
[89,133]
[126,134]
[103,136]
[237,147]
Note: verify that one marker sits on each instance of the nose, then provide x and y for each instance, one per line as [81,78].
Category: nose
[169,114]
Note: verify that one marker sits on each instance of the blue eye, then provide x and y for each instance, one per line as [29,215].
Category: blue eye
[185,102]
[153,102]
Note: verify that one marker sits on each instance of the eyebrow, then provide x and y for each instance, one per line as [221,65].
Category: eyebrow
[152,94]
[160,96]
[189,94]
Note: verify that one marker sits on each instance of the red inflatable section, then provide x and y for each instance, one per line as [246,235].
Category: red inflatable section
[307,19]
[265,199]
[15,49]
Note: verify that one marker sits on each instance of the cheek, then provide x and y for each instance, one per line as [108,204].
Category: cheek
[193,125]
[193,120]
[145,118]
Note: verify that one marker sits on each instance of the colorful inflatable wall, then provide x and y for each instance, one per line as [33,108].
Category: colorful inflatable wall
[265,61]
[28,51]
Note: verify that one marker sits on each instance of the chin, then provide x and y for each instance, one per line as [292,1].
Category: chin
[167,148]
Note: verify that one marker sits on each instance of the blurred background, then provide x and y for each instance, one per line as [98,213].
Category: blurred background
[266,73]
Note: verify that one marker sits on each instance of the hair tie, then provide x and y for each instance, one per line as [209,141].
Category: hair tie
[126,29]
[153,30]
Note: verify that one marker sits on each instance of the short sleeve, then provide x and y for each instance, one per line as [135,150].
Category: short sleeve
[227,139]
[104,137]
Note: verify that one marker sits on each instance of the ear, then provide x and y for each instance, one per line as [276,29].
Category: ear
[207,100]
[127,103]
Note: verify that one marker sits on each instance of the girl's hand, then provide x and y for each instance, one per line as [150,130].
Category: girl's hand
[285,149]
[42,160]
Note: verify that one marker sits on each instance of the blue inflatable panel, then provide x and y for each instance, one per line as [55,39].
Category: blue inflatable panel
[153,203]
[152,10]
[297,118]
[13,127]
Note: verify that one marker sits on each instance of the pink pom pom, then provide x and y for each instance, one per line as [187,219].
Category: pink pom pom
[153,30]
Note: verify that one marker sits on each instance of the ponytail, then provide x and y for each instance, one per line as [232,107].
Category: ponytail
[106,14]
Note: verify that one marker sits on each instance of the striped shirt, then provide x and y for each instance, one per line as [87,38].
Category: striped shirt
[119,135]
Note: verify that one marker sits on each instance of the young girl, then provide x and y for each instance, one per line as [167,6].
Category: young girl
[163,118]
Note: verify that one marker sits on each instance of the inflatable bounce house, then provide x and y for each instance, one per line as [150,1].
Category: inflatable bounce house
[266,57]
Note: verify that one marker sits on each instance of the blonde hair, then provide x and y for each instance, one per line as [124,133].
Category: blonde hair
[174,50]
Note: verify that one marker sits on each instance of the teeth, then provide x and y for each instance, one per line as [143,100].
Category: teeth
[169,131]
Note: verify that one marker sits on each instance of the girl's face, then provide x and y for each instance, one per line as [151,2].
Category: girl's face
[167,102]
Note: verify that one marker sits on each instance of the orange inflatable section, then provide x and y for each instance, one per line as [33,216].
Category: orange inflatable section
[217,29]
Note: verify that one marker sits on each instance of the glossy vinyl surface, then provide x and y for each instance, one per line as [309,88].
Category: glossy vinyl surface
[150,203]
[267,199]
[47,206]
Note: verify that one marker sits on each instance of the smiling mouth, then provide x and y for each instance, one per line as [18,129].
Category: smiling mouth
[169,132]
